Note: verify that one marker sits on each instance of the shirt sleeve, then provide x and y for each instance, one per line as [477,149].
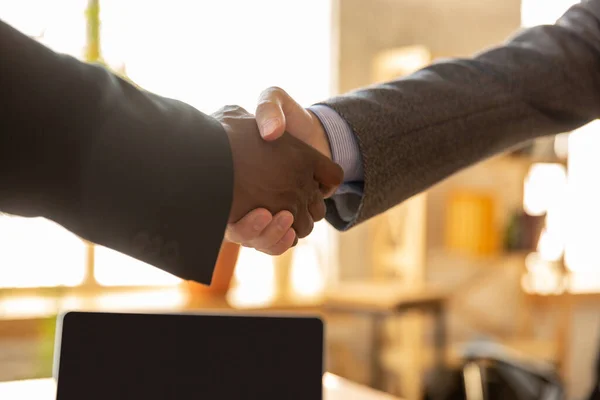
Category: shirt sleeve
[344,146]
[343,206]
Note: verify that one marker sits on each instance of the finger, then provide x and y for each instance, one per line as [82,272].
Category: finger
[303,224]
[234,109]
[249,227]
[317,209]
[328,190]
[328,174]
[283,245]
[282,222]
[278,112]
[229,111]
[269,113]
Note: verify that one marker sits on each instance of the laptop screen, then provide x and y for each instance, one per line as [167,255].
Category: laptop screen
[184,356]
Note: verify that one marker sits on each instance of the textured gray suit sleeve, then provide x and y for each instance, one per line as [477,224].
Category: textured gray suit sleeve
[420,129]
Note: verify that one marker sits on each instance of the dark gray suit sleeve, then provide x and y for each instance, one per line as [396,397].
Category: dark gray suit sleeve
[145,175]
[418,130]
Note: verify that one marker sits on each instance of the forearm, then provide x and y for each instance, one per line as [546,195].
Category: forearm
[420,129]
[139,173]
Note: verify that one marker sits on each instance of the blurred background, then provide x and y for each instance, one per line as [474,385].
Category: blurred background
[505,252]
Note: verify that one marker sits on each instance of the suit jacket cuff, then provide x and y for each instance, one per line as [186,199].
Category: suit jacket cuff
[343,208]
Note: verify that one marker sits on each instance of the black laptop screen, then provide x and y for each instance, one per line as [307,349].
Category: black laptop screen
[179,356]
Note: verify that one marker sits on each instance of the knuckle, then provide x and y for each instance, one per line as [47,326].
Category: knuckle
[262,241]
[246,237]
[272,250]
[273,92]
[277,251]
[267,240]
[304,227]
[236,231]
[318,216]
[305,233]
[233,110]
[293,209]
[230,236]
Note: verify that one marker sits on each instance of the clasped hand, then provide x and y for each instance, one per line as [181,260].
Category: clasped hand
[279,185]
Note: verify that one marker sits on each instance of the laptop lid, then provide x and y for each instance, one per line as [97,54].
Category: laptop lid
[187,356]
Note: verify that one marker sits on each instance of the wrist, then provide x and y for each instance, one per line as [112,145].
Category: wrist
[320,140]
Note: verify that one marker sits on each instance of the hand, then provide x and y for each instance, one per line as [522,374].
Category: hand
[260,230]
[281,175]
[277,113]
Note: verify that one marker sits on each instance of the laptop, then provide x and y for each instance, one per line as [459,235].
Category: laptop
[100,356]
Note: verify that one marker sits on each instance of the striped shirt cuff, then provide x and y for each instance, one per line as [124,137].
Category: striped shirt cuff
[343,143]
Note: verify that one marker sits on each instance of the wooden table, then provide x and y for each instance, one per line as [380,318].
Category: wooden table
[380,300]
[334,388]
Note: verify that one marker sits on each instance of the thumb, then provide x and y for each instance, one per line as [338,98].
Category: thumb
[269,114]
[328,174]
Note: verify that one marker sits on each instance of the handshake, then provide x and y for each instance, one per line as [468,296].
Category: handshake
[282,172]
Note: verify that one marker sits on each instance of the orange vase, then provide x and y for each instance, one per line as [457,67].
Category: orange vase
[222,275]
[471,223]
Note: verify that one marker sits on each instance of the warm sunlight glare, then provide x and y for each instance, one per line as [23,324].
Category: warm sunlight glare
[582,253]
[254,280]
[307,273]
[38,253]
[155,300]
[544,188]
[540,12]
[39,389]
[116,269]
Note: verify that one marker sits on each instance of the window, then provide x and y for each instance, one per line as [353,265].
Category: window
[35,252]
[540,12]
[581,213]
[205,53]
[58,259]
